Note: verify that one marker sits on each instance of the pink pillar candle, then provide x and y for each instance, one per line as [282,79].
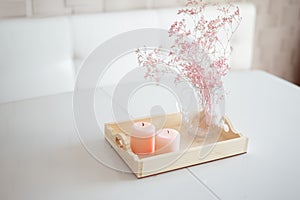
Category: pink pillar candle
[142,139]
[166,141]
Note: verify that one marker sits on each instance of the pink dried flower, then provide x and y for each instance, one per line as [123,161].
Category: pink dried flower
[200,54]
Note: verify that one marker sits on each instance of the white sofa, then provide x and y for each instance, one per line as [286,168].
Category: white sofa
[40,57]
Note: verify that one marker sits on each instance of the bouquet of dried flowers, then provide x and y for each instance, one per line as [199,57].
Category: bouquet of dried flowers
[201,50]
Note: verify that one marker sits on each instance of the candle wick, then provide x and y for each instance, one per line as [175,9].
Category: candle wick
[143,124]
[168,131]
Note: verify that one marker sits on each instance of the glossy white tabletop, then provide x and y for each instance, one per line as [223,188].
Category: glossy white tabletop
[41,156]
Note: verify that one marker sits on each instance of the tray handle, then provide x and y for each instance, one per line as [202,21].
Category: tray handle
[121,141]
[228,128]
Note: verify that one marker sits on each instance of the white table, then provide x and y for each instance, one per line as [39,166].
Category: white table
[41,156]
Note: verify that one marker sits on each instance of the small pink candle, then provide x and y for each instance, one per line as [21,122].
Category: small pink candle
[142,139]
[166,141]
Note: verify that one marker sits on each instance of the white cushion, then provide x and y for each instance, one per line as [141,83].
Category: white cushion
[31,43]
[36,57]
[47,80]
[89,31]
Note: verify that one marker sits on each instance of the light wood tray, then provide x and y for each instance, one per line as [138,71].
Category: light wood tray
[228,143]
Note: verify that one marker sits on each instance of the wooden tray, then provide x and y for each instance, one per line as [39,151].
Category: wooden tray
[228,143]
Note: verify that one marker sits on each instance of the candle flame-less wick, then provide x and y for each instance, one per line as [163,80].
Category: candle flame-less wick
[143,124]
[168,131]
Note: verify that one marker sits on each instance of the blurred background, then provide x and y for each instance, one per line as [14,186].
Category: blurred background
[276,47]
[277,33]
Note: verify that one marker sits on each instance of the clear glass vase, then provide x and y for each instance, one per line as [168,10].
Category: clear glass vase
[207,121]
